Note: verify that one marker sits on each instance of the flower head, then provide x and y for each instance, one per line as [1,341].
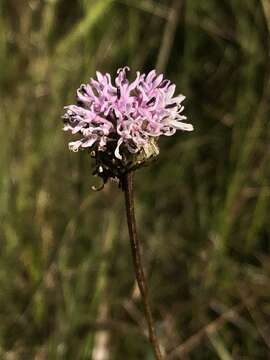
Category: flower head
[121,121]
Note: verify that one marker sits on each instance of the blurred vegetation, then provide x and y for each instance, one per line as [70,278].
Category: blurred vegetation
[66,277]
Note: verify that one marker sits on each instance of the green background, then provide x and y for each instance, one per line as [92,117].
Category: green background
[66,277]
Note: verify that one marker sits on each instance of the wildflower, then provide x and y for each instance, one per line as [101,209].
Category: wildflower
[121,122]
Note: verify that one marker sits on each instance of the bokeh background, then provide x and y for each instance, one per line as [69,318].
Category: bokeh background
[67,287]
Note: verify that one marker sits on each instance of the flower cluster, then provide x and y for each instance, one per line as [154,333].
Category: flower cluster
[124,117]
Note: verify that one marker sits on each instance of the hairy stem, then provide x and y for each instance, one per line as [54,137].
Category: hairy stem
[137,261]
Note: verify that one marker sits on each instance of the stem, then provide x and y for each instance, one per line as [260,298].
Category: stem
[137,261]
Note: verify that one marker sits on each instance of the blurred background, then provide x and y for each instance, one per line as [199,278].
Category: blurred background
[67,287]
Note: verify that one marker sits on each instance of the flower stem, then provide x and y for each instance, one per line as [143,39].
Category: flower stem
[137,261]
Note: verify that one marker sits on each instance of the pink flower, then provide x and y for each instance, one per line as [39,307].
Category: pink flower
[124,116]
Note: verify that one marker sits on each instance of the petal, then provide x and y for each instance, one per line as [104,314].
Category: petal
[75,145]
[150,76]
[89,142]
[179,98]
[170,91]
[158,80]
[133,85]
[116,152]
[99,77]
[180,125]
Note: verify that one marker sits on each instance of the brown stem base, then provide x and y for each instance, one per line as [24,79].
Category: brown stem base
[137,262]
